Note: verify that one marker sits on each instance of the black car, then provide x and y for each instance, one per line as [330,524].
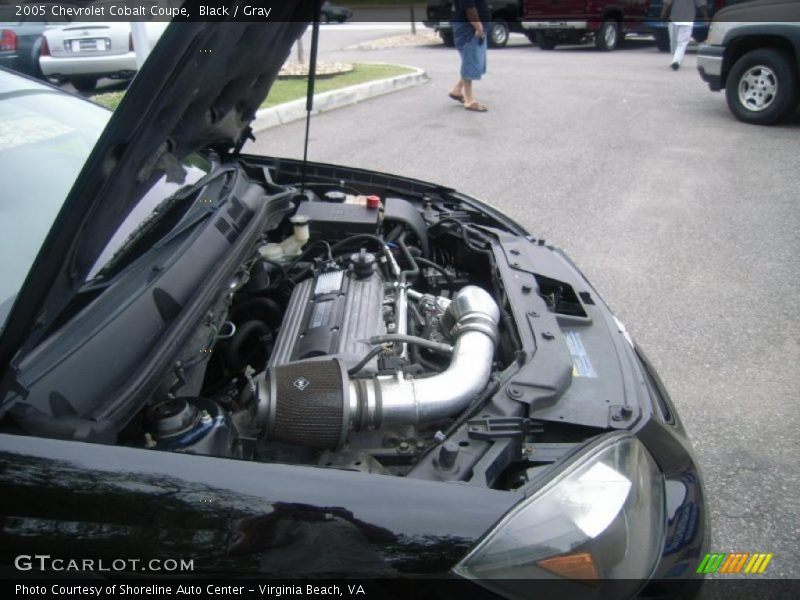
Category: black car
[334,12]
[281,368]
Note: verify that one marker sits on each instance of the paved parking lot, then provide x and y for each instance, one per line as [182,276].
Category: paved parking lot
[684,219]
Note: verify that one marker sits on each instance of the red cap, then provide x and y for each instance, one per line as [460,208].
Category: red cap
[373,201]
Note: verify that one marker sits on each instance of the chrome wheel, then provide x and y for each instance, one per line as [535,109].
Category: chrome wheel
[610,37]
[498,34]
[758,88]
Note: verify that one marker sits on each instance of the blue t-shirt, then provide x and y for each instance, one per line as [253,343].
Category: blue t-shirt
[460,10]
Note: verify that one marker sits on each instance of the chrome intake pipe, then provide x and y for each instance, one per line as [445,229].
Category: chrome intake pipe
[471,319]
[316,402]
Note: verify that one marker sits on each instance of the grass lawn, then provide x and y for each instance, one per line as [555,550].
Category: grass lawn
[111,99]
[286,90]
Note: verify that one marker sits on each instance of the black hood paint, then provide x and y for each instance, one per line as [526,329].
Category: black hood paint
[233,516]
[199,89]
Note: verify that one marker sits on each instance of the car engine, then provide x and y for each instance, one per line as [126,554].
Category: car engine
[363,327]
[359,324]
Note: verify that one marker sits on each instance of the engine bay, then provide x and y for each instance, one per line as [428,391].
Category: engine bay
[385,326]
[360,328]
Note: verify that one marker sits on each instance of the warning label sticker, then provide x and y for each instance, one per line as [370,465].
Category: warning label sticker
[581,365]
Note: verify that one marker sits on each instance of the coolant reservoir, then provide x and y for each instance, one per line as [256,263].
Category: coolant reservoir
[292,246]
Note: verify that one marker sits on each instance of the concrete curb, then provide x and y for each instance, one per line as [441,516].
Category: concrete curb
[296,109]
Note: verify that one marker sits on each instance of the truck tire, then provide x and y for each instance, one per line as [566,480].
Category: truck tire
[546,42]
[608,36]
[498,34]
[662,40]
[762,87]
[447,38]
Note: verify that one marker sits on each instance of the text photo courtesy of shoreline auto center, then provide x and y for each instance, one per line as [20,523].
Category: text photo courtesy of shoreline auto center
[400,299]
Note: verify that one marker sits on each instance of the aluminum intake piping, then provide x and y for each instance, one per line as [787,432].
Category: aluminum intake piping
[314,402]
[471,318]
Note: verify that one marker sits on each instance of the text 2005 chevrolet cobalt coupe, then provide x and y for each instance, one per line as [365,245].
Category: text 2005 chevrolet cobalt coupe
[308,370]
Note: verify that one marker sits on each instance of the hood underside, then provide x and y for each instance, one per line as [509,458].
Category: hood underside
[199,89]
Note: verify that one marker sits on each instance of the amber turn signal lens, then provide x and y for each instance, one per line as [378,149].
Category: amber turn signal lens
[579,567]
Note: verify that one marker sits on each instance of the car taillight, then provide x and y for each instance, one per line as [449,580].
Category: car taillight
[44,50]
[8,40]
[130,42]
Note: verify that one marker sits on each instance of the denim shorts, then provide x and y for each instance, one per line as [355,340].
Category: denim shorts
[472,51]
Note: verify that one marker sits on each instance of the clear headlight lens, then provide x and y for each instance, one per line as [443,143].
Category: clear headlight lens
[601,518]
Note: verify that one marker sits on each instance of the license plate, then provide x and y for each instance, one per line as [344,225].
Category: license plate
[90,45]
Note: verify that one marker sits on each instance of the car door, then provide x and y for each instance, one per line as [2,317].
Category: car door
[554,10]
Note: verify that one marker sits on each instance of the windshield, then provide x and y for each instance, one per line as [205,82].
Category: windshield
[45,137]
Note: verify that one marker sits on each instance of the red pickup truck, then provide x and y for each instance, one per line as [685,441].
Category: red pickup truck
[575,21]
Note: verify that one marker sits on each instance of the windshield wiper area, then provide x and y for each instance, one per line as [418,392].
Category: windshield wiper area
[172,217]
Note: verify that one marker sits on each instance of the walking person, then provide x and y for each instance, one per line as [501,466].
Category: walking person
[470,21]
[681,23]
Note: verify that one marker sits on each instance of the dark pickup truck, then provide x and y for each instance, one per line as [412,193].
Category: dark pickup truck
[575,21]
[753,53]
[506,18]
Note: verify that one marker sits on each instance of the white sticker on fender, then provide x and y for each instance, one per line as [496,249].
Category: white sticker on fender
[581,365]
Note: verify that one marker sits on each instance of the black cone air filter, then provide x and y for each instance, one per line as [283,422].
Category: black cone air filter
[307,404]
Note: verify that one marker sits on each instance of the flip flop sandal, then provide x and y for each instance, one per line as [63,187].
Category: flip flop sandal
[476,107]
[456,97]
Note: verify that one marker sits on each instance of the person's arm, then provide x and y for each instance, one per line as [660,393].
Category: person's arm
[475,20]
[665,9]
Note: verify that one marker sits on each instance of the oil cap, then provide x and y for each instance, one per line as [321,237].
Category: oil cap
[363,264]
[335,196]
[373,202]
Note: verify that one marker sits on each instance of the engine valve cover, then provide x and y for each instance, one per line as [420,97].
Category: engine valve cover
[332,315]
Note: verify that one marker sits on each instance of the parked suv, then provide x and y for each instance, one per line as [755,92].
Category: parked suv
[506,15]
[576,21]
[753,53]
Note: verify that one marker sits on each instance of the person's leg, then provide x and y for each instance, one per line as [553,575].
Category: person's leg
[673,37]
[684,35]
[466,86]
[462,35]
[477,68]
[457,91]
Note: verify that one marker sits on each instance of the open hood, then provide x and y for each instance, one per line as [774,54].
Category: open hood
[199,89]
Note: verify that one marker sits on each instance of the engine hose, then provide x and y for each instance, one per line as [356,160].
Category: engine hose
[363,362]
[257,309]
[411,339]
[412,273]
[232,350]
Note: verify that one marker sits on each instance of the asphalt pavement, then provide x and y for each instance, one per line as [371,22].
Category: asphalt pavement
[684,219]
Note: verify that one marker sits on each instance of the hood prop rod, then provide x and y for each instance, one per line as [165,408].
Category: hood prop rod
[312,76]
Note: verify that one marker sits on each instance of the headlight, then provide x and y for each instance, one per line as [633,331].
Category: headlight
[601,518]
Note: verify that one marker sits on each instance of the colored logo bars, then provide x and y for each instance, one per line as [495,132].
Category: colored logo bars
[740,562]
